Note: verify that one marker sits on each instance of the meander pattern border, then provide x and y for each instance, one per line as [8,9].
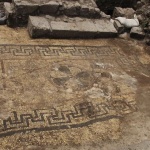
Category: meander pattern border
[53,119]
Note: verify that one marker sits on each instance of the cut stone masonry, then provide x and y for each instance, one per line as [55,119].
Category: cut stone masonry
[59,18]
[73,28]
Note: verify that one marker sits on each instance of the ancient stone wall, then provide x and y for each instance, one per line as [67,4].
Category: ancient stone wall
[108,5]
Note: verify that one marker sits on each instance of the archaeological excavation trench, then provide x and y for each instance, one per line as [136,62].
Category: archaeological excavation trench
[73,77]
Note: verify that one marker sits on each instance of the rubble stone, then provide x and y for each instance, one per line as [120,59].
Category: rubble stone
[108,5]
[145,10]
[148,35]
[49,8]
[148,42]
[84,12]
[97,12]
[8,9]
[2,14]
[141,18]
[3,20]
[139,4]
[123,12]
[124,35]
[118,12]
[147,29]
[71,10]
[9,14]
[103,15]
[137,33]
[25,7]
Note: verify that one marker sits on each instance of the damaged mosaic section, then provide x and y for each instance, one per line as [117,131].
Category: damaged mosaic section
[81,115]
[50,88]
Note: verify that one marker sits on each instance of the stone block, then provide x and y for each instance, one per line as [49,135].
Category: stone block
[38,27]
[73,8]
[3,20]
[25,7]
[129,13]
[94,3]
[9,14]
[2,14]
[94,12]
[148,42]
[139,4]
[123,12]
[8,9]
[148,35]
[103,15]
[70,10]
[137,33]
[123,35]
[147,29]
[97,13]
[50,8]
[84,12]
[119,27]
[87,29]
[105,29]
[62,29]
[72,28]
[108,5]
[118,12]
[78,6]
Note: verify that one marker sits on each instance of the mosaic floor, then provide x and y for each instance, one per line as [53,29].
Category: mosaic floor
[47,89]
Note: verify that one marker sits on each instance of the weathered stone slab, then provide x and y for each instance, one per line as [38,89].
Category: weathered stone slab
[70,28]
[105,29]
[64,30]
[38,27]
[87,29]
[137,33]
